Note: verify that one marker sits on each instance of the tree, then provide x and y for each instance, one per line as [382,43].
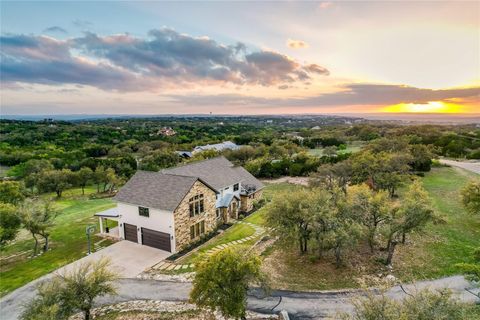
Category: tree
[73,291]
[87,282]
[11,192]
[37,217]
[414,212]
[333,175]
[221,282]
[422,305]
[9,223]
[55,180]
[291,214]
[471,197]
[83,177]
[371,208]
[48,304]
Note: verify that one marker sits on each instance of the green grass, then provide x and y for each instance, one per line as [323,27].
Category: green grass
[351,148]
[68,241]
[236,232]
[435,251]
[429,254]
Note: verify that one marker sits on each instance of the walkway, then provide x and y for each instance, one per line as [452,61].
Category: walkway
[172,266]
[303,305]
[472,166]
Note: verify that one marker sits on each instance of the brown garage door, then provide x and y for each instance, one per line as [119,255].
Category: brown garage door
[130,232]
[156,239]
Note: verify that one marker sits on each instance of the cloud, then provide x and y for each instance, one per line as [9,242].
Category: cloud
[351,95]
[297,44]
[55,29]
[164,58]
[325,4]
[82,23]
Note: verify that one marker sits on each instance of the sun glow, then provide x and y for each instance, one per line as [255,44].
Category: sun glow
[430,107]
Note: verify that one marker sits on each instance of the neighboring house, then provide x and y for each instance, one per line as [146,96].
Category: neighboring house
[165,131]
[226,145]
[173,208]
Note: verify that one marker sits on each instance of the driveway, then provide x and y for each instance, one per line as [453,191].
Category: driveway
[128,259]
[472,166]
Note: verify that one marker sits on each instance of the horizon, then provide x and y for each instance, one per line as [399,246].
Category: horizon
[327,57]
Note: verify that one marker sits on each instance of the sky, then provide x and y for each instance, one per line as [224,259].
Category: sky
[227,57]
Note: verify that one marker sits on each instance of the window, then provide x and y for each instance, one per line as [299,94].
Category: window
[144,212]
[197,229]
[235,187]
[196,205]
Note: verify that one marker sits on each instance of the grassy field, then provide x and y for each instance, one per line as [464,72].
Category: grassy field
[68,241]
[435,253]
[352,147]
[431,254]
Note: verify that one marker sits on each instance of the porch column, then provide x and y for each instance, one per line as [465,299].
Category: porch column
[100,220]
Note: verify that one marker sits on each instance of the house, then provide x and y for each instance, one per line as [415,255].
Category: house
[226,145]
[166,131]
[172,208]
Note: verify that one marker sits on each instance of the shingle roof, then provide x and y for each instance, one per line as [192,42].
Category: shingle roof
[225,200]
[155,190]
[217,172]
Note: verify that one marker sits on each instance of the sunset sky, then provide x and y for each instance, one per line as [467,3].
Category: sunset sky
[115,57]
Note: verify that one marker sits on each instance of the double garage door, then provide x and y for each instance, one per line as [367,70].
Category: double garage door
[152,238]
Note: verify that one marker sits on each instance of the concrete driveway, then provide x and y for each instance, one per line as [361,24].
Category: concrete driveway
[127,258]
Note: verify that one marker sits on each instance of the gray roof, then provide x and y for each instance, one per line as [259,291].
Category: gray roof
[156,190]
[225,200]
[112,212]
[217,172]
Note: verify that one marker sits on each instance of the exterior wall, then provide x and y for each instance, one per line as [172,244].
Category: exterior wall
[182,218]
[159,220]
[229,189]
[246,203]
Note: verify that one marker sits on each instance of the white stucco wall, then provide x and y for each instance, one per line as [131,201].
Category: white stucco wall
[159,220]
[229,189]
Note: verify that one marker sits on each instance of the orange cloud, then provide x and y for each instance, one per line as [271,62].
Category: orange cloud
[297,44]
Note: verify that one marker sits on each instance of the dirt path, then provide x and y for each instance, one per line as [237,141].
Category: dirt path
[293,180]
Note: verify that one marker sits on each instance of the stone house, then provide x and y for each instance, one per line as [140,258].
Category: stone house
[172,208]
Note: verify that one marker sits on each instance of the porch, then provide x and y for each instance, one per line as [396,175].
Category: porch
[109,229]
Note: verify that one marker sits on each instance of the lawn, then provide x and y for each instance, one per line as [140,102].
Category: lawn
[68,241]
[435,253]
[352,147]
[236,232]
[430,254]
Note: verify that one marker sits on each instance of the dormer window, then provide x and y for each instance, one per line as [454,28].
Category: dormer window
[196,205]
[144,212]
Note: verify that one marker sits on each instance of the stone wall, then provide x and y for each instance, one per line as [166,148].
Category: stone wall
[246,202]
[182,218]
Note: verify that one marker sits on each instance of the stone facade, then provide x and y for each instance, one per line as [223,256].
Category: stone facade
[182,218]
[246,202]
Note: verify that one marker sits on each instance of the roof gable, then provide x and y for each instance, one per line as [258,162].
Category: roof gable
[156,190]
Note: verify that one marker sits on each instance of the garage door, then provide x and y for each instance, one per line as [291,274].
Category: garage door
[130,232]
[156,239]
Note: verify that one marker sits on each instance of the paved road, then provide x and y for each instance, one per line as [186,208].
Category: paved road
[472,166]
[301,305]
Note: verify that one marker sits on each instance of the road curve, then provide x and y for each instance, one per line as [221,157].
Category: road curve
[472,166]
[301,305]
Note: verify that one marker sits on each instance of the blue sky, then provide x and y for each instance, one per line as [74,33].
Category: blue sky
[185,57]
